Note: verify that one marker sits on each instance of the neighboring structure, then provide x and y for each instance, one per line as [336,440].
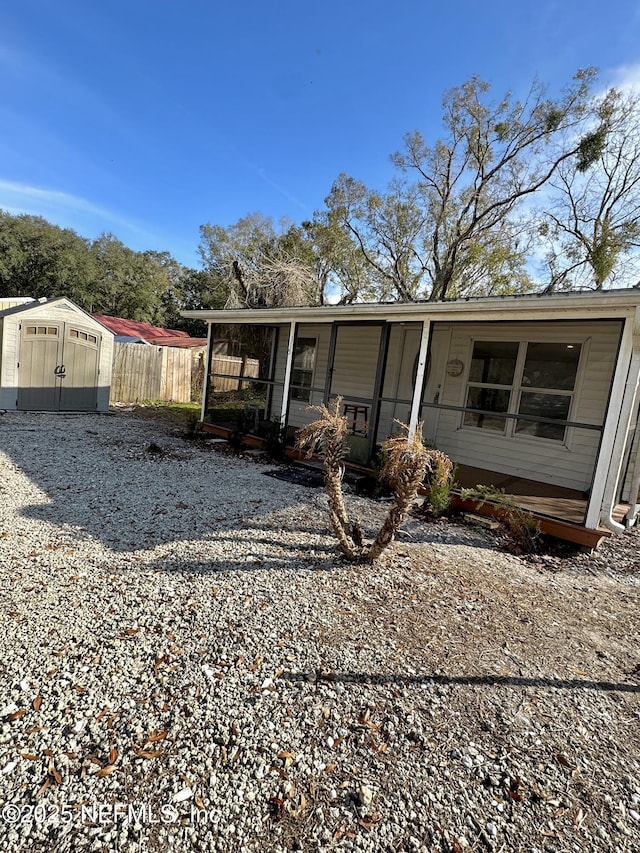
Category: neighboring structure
[536,395]
[134,331]
[53,357]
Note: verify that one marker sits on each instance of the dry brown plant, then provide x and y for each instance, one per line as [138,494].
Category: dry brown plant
[407,461]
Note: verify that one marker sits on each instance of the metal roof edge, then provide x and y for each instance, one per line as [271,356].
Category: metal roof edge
[620,302]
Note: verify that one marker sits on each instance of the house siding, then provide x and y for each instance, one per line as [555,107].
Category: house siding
[569,464]
[298,414]
[356,345]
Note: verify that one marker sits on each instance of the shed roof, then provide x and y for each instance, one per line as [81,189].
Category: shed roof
[41,305]
[151,334]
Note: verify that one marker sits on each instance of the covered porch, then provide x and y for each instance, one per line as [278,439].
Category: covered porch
[535,397]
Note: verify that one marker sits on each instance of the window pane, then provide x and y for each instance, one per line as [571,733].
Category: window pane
[491,400]
[551,366]
[493,362]
[554,406]
[302,372]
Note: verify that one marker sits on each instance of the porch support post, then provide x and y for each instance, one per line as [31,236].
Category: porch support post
[614,434]
[383,351]
[207,372]
[330,359]
[416,402]
[287,374]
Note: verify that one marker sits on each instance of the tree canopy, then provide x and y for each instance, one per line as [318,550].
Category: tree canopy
[103,276]
[516,194]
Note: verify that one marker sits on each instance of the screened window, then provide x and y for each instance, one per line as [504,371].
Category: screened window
[530,379]
[493,366]
[548,380]
[304,359]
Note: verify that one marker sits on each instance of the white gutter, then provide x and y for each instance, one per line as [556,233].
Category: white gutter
[419,380]
[619,412]
[287,375]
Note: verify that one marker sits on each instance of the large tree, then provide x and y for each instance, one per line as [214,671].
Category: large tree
[592,220]
[254,265]
[455,222]
[42,260]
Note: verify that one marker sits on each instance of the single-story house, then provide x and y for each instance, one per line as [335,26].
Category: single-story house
[536,395]
[53,357]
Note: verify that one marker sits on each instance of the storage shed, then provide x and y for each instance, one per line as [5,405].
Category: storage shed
[53,357]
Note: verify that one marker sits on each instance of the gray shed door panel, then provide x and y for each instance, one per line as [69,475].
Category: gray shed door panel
[79,387]
[58,367]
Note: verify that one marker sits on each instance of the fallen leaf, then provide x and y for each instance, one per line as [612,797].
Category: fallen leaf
[113,755]
[110,768]
[29,756]
[43,787]
[149,754]
[51,770]
[37,702]
[156,736]
[17,714]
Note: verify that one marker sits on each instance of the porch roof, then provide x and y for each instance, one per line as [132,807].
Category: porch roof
[567,306]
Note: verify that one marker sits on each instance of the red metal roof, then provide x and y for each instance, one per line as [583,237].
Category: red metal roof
[152,334]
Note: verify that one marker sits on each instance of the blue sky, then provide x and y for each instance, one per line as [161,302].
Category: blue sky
[149,119]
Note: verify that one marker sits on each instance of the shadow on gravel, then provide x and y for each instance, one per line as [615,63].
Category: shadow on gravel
[134,485]
[465,680]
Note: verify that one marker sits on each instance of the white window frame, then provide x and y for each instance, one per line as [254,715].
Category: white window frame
[516,389]
[313,338]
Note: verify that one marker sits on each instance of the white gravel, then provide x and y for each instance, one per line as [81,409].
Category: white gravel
[186,664]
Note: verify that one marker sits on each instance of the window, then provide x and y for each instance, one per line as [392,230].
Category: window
[83,336]
[491,373]
[530,379]
[42,330]
[304,359]
[548,380]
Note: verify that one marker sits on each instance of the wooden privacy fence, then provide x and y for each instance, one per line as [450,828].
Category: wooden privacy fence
[232,366]
[172,374]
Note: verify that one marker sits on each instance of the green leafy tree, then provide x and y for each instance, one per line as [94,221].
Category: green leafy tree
[42,260]
[592,224]
[454,223]
[135,285]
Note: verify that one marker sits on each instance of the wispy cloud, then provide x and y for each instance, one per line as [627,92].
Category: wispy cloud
[626,78]
[62,207]
[280,189]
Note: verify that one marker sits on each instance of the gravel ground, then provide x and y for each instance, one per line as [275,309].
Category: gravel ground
[187,664]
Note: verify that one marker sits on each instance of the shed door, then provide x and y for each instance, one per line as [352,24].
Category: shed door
[40,350]
[79,380]
[58,367]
